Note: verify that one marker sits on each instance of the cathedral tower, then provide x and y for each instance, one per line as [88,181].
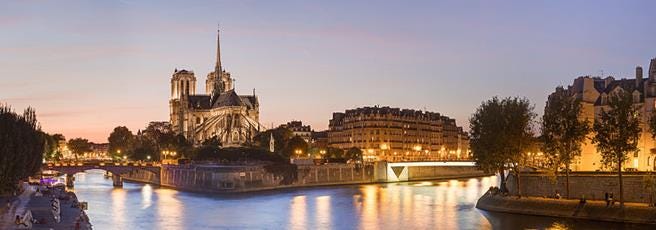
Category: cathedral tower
[183,83]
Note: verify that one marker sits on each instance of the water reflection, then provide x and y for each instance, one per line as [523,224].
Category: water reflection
[170,210]
[118,207]
[322,212]
[298,209]
[421,205]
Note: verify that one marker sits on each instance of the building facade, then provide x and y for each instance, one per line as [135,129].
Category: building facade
[393,134]
[299,130]
[221,113]
[594,93]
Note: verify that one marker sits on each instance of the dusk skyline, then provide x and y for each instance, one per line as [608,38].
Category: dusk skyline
[87,67]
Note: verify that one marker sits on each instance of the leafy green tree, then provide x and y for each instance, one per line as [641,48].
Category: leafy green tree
[121,140]
[617,132]
[79,146]
[563,132]
[22,146]
[158,137]
[51,147]
[281,136]
[354,154]
[295,144]
[501,132]
[184,147]
[334,153]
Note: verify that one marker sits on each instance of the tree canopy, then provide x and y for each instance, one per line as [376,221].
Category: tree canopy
[563,132]
[617,133]
[501,131]
[617,130]
[121,139]
[22,146]
[79,146]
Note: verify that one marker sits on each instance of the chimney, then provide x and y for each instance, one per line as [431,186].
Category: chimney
[638,76]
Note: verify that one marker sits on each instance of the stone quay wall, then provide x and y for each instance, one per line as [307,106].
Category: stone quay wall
[244,178]
[591,184]
[210,178]
[253,178]
[334,174]
[591,210]
[439,172]
[142,176]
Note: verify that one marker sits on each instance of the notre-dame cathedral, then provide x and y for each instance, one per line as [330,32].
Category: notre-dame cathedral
[221,113]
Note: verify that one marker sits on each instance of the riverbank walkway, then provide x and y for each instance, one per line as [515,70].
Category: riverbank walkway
[639,213]
[40,205]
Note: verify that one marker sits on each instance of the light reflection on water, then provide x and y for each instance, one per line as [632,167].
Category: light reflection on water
[416,205]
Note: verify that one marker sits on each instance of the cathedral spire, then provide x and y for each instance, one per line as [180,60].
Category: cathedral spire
[218,67]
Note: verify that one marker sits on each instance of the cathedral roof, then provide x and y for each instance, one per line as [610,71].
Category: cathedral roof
[229,98]
[249,100]
[199,101]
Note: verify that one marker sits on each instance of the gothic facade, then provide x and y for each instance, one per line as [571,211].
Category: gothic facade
[220,113]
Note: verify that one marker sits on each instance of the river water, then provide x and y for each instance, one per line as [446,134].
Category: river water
[412,205]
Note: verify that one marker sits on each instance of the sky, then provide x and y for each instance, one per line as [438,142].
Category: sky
[89,66]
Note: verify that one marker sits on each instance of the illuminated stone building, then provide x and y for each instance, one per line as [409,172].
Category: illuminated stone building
[594,93]
[221,113]
[300,130]
[393,134]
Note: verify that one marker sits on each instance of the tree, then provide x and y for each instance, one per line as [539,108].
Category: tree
[354,154]
[121,141]
[293,145]
[334,153]
[617,132]
[79,146]
[51,146]
[563,132]
[652,130]
[22,146]
[501,132]
[281,136]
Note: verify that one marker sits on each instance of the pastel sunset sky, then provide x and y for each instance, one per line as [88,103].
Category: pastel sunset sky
[88,66]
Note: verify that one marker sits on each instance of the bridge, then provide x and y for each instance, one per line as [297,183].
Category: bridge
[408,171]
[117,169]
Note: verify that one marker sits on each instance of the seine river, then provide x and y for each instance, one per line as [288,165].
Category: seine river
[416,205]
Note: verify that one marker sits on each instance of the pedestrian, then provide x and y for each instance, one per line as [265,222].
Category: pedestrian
[612,201]
[607,199]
